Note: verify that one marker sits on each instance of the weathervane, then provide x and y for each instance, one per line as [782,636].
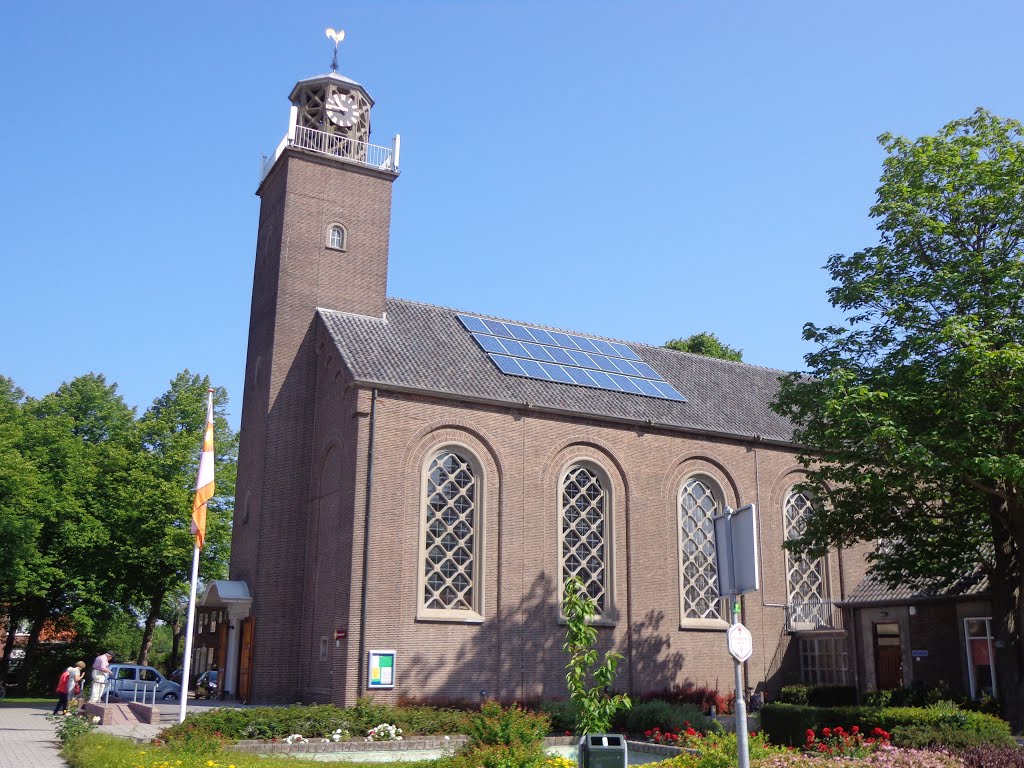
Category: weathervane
[337,36]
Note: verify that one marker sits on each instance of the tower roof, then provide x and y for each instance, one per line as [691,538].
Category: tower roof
[330,77]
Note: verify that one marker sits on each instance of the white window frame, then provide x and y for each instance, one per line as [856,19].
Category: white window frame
[973,683]
[820,615]
[694,622]
[607,616]
[474,614]
[336,227]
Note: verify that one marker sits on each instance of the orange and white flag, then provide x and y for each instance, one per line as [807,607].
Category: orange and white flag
[204,483]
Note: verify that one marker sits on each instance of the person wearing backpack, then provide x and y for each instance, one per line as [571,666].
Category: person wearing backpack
[70,679]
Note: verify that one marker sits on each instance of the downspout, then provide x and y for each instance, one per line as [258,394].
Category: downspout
[361,683]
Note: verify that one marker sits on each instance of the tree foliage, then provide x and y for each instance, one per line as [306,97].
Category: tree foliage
[707,344]
[95,505]
[913,412]
[588,676]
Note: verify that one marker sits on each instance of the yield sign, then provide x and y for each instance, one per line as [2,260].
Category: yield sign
[741,645]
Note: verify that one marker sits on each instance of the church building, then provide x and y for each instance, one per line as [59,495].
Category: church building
[417,483]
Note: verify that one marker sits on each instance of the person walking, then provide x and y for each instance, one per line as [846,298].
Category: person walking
[66,687]
[100,674]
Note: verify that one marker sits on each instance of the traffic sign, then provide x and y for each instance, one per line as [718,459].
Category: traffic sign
[741,644]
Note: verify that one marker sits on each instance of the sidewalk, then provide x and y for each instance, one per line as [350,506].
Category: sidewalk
[26,737]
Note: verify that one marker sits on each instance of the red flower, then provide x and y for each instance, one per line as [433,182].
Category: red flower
[855,729]
[826,732]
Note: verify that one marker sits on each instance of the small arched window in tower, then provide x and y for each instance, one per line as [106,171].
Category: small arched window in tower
[337,237]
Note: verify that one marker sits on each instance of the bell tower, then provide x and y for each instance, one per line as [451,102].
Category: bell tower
[322,241]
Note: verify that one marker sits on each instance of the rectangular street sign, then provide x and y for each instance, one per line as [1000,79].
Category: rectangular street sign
[736,551]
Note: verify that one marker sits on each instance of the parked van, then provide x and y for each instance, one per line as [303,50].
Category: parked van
[126,679]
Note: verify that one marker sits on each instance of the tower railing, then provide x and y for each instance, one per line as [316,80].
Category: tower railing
[336,145]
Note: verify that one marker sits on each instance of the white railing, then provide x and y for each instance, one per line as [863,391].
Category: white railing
[333,144]
[813,615]
[147,688]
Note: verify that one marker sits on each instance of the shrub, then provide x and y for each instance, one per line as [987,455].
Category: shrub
[562,715]
[989,756]
[654,713]
[70,728]
[719,750]
[832,696]
[795,694]
[512,727]
[700,695]
[788,723]
[501,738]
[819,695]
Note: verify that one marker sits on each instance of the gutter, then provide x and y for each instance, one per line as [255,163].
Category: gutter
[647,423]
[361,666]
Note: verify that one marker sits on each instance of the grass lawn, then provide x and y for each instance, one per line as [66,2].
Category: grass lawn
[19,700]
[98,750]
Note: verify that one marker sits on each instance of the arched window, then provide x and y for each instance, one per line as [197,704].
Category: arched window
[700,499]
[337,237]
[585,535]
[451,526]
[805,578]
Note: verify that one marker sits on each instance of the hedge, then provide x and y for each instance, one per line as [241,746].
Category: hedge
[909,726]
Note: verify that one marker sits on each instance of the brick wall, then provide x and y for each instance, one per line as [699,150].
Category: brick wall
[515,653]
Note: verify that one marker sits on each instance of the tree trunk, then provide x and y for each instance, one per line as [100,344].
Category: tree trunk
[1006,586]
[147,632]
[38,620]
[12,628]
[176,643]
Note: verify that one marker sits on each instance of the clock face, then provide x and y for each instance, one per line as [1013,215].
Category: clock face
[342,110]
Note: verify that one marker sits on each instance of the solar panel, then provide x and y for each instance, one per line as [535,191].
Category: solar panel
[567,358]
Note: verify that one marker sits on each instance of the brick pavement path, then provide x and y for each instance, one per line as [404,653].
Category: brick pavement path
[26,737]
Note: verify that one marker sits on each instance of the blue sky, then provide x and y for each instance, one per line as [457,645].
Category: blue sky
[641,171]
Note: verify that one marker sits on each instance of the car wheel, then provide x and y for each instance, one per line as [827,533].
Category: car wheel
[170,697]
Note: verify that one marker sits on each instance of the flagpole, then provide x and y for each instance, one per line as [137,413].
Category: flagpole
[187,663]
[204,492]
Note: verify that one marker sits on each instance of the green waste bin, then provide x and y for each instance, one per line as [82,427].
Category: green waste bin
[603,750]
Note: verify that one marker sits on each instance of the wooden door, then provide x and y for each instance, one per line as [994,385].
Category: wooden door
[245,661]
[888,656]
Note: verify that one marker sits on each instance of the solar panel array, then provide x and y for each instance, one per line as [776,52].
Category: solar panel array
[567,358]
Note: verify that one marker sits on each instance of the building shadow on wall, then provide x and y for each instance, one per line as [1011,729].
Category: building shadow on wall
[518,655]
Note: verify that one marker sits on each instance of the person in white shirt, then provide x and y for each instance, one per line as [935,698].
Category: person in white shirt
[74,677]
[100,674]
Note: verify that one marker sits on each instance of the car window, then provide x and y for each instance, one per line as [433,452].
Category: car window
[126,673]
[149,675]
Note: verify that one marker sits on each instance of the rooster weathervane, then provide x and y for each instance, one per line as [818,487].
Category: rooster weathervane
[337,36]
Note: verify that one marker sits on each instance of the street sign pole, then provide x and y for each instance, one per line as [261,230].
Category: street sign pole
[736,562]
[740,709]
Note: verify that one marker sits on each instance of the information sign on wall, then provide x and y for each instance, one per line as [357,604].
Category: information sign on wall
[381,669]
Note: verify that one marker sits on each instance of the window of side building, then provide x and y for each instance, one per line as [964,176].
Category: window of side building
[450,583]
[806,578]
[585,534]
[700,499]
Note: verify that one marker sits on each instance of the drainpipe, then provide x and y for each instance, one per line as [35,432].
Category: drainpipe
[361,683]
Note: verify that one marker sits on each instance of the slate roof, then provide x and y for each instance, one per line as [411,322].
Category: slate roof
[421,347]
[872,591]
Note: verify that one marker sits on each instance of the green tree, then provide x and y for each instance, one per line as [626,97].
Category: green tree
[158,544]
[588,677]
[21,489]
[78,442]
[707,344]
[913,412]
